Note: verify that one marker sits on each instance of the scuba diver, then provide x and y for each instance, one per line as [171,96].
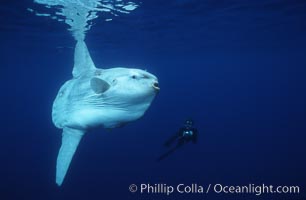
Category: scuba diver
[187,133]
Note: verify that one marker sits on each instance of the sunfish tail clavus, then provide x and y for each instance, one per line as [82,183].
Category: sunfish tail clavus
[97,97]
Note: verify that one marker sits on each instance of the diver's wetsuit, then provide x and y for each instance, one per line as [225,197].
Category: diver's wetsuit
[183,136]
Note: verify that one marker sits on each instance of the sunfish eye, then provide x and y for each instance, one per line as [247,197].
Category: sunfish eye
[134,77]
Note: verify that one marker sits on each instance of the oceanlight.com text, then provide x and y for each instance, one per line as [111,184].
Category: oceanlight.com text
[256,189]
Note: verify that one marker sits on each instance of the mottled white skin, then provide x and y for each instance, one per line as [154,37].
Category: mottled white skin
[130,94]
[78,107]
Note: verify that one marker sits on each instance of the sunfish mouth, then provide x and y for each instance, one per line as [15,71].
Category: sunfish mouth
[156,86]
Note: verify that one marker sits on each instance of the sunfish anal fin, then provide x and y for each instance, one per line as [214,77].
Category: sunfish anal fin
[70,142]
[82,60]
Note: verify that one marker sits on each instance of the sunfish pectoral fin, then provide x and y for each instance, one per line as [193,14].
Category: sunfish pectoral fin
[82,60]
[98,85]
[70,142]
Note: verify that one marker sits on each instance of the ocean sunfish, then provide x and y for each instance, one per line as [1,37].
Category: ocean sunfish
[97,97]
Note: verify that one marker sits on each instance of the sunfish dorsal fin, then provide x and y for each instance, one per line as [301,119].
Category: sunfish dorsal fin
[82,60]
[70,142]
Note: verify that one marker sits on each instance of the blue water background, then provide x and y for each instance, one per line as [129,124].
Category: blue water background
[236,67]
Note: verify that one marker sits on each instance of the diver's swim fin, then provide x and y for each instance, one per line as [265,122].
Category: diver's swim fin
[168,153]
[70,142]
